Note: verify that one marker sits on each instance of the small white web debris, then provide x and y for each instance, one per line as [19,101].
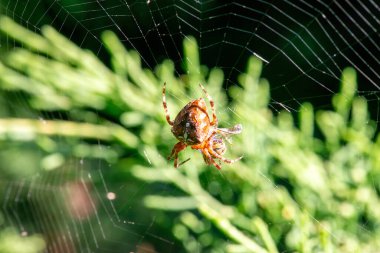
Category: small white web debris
[42,120]
[285,107]
[111,195]
[261,58]
[147,158]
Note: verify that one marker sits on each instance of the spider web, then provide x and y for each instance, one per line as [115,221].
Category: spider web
[304,45]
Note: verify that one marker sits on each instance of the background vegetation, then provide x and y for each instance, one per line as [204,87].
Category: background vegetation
[307,183]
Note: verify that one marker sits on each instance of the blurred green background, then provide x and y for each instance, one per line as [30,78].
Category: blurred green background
[84,141]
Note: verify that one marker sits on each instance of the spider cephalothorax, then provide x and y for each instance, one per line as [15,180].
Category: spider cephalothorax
[193,127]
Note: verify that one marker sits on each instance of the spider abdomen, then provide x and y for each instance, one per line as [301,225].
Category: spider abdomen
[192,124]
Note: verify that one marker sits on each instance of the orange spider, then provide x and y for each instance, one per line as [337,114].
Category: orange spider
[193,127]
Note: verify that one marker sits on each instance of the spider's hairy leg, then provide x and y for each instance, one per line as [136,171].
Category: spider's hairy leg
[165,105]
[176,149]
[209,160]
[206,155]
[183,162]
[214,119]
[210,148]
[216,155]
[227,132]
[237,129]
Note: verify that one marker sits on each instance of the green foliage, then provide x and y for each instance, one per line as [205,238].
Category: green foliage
[292,191]
[12,242]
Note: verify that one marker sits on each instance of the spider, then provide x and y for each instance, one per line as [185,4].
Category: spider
[194,127]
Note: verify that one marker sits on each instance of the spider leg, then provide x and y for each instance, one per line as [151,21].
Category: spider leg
[214,119]
[206,159]
[176,149]
[165,105]
[227,132]
[216,155]
[206,155]
[237,129]
[210,160]
[183,162]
